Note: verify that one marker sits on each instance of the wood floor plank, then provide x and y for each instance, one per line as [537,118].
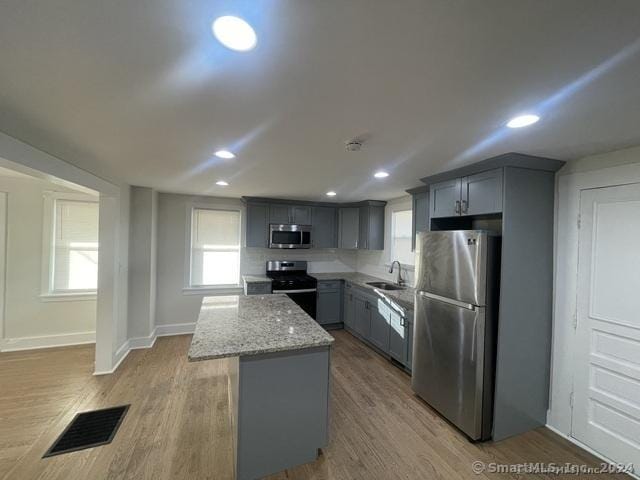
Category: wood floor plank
[179,425]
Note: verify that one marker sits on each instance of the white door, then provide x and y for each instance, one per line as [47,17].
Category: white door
[606,411]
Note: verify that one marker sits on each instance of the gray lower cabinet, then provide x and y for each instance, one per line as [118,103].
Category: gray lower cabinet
[362,324]
[401,336]
[254,288]
[349,308]
[444,198]
[325,227]
[482,193]
[379,335]
[257,225]
[349,219]
[329,303]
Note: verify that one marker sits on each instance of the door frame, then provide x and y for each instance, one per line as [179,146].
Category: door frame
[111,308]
[569,188]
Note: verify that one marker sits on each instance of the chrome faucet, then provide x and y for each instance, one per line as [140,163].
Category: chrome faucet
[399,279]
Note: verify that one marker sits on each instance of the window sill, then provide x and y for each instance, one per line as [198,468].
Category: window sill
[221,290]
[68,297]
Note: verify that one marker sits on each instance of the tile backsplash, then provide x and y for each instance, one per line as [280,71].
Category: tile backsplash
[253,260]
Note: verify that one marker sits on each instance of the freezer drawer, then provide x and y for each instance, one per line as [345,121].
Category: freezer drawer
[454,264]
[452,363]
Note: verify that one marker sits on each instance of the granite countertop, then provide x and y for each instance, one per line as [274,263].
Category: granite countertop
[256,279]
[403,298]
[238,325]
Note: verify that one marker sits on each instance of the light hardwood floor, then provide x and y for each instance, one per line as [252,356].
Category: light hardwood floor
[178,426]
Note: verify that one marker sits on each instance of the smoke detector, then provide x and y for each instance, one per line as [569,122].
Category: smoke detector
[353,146]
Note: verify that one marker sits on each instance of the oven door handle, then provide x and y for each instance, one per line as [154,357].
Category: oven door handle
[304,290]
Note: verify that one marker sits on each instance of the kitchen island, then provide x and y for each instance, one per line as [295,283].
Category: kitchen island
[279,383]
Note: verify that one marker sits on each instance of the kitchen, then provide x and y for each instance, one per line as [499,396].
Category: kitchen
[311,265]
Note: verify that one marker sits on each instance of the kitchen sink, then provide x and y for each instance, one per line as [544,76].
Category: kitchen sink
[385,286]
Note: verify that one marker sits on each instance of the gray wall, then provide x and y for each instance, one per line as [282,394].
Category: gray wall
[175,306]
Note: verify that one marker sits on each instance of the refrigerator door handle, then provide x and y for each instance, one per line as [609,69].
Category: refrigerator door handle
[433,296]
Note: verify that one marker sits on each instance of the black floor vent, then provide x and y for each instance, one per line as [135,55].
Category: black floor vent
[89,429]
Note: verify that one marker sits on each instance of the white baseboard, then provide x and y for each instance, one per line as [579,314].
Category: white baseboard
[147,342]
[175,329]
[578,443]
[46,341]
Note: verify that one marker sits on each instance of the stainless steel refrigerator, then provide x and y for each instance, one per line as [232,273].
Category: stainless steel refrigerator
[455,326]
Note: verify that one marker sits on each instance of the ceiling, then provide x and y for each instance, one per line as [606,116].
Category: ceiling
[141,92]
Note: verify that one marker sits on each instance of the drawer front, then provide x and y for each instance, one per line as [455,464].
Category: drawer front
[258,288]
[329,284]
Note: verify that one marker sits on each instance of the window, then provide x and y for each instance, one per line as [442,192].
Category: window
[215,248]
[401,231]
[73,260]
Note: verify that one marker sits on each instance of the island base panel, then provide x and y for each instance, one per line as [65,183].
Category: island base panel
[282,410]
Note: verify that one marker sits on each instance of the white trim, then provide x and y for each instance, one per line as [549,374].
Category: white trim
[584,447]
[569,189]
[175,329]
[69,297]
[47,341]
[118,358]
[138,343]
[48,241]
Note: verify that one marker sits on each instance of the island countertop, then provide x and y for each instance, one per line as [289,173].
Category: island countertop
[238,325]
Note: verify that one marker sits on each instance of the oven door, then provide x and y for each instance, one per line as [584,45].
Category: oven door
[306,299]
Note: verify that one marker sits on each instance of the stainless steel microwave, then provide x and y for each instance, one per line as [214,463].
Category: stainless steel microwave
[289,236]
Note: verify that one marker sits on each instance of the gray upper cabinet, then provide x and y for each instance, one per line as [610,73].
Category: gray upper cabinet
[420,214]
[257,225]
[325,228]
[444,198]
[349,227]
[279,214]
[371,228]
[301,215]
[289,214]
[329,307]
[477,194]
[482,193]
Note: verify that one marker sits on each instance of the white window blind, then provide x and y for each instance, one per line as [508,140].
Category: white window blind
[401,228]
[74,257]
[215,247]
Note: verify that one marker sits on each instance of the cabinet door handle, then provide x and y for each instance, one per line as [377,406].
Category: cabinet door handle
[465,206]
[457,207]
[403,322]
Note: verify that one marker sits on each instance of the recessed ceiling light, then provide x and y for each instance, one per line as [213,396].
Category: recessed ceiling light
[523,121]
[331,194]
[225,154]
[381,174]
[222,183]
[234,33]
